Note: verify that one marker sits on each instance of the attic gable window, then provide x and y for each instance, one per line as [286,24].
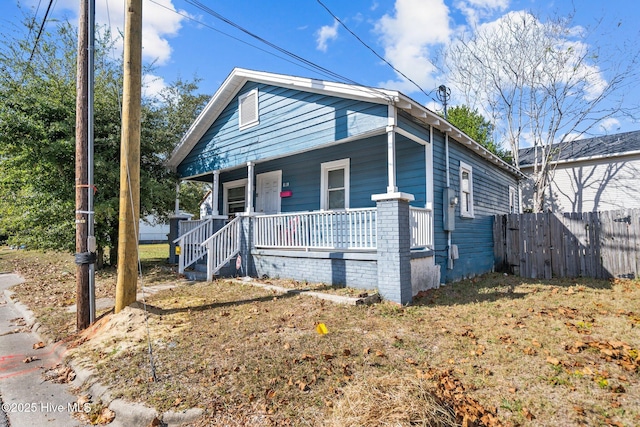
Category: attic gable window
[248,109]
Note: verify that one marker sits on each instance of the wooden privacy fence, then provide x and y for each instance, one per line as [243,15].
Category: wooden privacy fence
[590,244]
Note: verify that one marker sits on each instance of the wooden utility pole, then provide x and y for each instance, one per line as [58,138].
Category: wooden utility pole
[82,188]
[126,285]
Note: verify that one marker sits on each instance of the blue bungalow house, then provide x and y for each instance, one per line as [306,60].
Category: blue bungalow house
[338,183]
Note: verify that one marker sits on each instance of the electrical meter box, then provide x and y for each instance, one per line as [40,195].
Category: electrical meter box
[449,203]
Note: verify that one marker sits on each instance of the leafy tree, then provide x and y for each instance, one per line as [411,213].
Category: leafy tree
[477,127]
[543,82]
[37,139]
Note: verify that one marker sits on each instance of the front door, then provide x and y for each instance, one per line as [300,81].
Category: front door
[268,192]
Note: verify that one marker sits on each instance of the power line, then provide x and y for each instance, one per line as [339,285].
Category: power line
[44,20]
[215,14]
[373,50]
[308,65]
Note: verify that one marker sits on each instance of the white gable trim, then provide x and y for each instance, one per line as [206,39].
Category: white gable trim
[239,76]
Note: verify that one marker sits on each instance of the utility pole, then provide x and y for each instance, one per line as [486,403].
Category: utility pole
[82,185]
[126,285]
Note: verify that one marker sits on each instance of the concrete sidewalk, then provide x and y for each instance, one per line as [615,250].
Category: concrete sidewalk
[27,399]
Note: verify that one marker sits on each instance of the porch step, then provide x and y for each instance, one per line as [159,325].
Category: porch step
[198,271]
[195,275]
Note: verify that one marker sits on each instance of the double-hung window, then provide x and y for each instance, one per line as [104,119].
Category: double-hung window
[335,185]
[466,190]
[513,201]
[234,196]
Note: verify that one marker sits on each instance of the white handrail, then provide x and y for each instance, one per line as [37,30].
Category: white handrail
[420,221]
[348,229]
[186,226]
[190,244]
[222,246]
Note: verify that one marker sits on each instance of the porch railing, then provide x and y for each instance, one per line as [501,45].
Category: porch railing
[420,221]
[350,229]
[190,243]
[222,246]
[186,226]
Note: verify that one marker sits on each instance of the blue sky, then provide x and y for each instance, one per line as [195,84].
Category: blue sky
[184,40]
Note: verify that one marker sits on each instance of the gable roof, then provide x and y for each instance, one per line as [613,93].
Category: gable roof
[615,145]
[239,77]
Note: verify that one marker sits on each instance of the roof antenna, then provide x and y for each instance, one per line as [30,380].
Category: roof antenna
[444,94]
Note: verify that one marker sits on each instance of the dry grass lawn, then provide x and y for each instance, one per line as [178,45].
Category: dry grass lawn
[496,350]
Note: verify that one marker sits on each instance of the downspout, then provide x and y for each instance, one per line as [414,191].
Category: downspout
[448,170]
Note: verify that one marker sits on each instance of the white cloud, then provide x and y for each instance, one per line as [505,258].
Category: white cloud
[415,27]
[152,85]
[325,34]
[475,10]
[610,124]
[160,22]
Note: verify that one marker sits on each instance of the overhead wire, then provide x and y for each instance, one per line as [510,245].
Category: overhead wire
[374,51]
[309,65]
[44,20]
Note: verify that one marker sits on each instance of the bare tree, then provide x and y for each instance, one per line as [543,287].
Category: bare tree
[542,82]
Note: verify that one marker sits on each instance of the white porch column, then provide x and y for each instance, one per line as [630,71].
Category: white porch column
[177,205]
[391,150]
[214,193]
[250,186]
[428,150]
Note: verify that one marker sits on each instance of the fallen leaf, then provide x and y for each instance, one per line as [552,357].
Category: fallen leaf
[38,345]
[553,360]
[527,414]
[106,416]
[29,359]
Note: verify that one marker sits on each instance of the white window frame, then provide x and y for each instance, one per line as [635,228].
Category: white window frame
[226,186]
[324,181]
[464,212]
[244,125]
[512,199]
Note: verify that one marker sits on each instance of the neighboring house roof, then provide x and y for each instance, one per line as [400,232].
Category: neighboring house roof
[239,77]
[620,144]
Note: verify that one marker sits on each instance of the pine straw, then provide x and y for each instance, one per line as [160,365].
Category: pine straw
[391,400]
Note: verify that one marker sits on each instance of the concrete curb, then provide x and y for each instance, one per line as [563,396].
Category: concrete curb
[127,413]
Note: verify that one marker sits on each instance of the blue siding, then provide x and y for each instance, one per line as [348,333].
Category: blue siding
[290,121]
[407,124]
[368,172]
[474,236]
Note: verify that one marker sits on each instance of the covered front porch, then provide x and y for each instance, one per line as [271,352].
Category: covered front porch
[341,247]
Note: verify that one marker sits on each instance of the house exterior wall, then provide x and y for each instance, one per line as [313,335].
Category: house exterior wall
[289,121]
[590,185]
[473,236]
[355,270]
[368,172]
